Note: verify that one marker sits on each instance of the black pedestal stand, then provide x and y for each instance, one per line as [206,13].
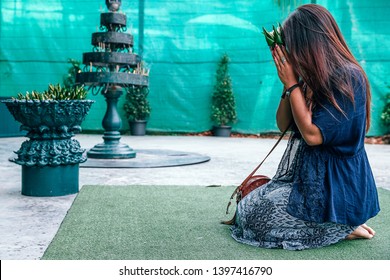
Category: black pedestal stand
[112,148]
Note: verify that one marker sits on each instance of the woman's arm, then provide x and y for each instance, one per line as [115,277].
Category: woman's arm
[296,101]
[302,116]
[284,115]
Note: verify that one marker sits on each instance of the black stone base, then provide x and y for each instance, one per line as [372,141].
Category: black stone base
[149,159]
[108,151]
[50,181]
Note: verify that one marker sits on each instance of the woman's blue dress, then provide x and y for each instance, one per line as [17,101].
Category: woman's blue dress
[320,194]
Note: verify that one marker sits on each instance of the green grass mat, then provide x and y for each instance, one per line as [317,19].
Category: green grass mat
[180,223]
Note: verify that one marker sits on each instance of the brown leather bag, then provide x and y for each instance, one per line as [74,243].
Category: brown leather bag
[250,183]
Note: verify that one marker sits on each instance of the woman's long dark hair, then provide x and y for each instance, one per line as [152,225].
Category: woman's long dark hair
[318,49]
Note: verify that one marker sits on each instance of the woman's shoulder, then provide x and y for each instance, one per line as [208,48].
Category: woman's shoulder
[355,78]
[353,73]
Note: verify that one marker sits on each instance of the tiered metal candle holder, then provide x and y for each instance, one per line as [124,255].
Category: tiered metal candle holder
[111,67]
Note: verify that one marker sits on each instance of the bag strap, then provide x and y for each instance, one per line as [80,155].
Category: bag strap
[257,167]
[272,149]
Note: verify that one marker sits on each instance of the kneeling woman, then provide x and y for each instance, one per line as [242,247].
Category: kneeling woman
[324,190]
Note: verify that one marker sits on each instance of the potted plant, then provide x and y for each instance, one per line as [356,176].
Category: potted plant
[223,102]
[69,79]
[137,109]
[385,116]
[50,159]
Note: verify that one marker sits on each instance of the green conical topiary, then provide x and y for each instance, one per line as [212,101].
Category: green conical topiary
[223,101]
[385,116]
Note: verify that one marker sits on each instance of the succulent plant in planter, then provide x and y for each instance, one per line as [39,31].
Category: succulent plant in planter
[137,109]
[223,102]
[50,159]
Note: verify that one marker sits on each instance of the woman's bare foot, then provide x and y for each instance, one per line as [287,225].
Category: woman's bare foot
[362,231]
[370,230]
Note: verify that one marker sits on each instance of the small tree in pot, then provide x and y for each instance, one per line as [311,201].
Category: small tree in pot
[137,109]
[223,101]
[385,118]
[69,79]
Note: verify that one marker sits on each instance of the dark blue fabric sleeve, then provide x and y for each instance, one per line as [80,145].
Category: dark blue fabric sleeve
[340,128]
[330,121]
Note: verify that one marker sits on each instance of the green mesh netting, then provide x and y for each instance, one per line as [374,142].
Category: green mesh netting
[182,42]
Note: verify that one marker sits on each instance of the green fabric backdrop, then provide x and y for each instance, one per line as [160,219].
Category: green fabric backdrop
[182,42]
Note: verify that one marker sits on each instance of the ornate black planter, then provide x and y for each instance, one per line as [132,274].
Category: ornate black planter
[50,159]
[222,131]
[137,128]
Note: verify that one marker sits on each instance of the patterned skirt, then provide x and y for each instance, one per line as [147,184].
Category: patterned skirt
[262,219]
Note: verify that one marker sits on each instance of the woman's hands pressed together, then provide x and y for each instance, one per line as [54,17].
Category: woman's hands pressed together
[285,70]
[294,108]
